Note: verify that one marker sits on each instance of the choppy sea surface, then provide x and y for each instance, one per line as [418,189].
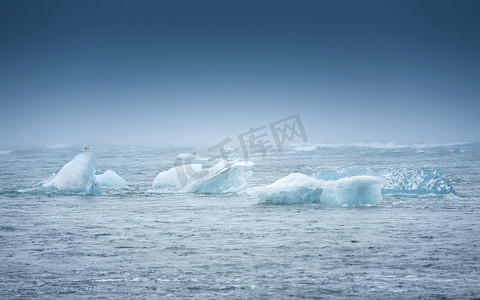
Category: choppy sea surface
[136,243]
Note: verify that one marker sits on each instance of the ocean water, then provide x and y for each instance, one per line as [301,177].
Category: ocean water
[137,243]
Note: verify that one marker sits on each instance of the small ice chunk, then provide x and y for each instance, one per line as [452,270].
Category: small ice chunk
[111,179]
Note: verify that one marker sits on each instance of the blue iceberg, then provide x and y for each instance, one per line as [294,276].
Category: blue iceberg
[423,181]
[77,176]
[300,188]
[398,180]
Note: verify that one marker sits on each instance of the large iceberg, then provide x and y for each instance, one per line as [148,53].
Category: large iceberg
[193,178]
[300,188]
[110,179]
[423,181]
[77,176]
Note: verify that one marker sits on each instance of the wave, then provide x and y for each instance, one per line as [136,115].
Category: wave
[58,146]
[6,152]
[391,145]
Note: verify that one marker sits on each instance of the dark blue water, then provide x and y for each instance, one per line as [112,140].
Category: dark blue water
[139,244]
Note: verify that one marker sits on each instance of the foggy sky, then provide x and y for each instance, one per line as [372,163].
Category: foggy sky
[194,72]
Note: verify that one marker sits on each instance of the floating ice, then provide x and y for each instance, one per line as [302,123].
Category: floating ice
[300,188]
[399,180]
[424,181]
[220,178]
[77,176]
[170,180]
[111,179]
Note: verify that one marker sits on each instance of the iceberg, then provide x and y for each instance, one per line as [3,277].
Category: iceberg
[423,181]
[193,178]
[170,180]
[399,180]
[77,176]
[222,179]
[110,179]
[294,188]
[300,188]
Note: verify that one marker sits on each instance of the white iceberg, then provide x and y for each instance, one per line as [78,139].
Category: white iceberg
[170,180]
[77,176]
[222,179]
[193,178]
[110,179]
[300,188]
